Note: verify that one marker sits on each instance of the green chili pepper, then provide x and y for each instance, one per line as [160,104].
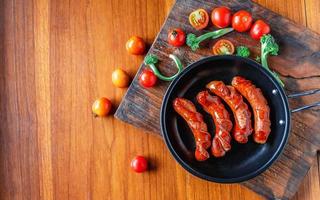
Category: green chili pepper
[151,60]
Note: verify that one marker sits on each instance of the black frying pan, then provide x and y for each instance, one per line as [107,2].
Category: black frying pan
[244,161]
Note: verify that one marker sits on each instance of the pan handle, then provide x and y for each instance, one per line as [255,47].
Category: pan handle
[305,93]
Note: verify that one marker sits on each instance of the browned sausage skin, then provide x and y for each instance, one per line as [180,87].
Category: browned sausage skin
[188,112]
[223,125]
[259,104]
[241,112]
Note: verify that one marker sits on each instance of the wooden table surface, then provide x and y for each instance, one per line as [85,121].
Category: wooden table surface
[56,58]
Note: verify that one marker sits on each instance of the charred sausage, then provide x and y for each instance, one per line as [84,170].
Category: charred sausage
[259,104]
[241,112]
[223,125]
[188,112]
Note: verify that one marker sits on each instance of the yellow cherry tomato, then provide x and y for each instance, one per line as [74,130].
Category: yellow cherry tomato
[120,78]
[101,107]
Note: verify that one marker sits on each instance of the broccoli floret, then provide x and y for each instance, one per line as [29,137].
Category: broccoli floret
[269,47]
[192,41]
[243,51]
[150,59]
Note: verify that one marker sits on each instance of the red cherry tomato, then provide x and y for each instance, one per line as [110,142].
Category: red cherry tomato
[135,45]
[241,21]
[223,47]
[147,78]
[101,107]
[199,19]
[221,17]
[258,29]
[176,37]
[139,164]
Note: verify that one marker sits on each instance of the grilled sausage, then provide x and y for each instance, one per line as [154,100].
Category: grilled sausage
[223,125]
[259,104]
[188,112]
[241,112]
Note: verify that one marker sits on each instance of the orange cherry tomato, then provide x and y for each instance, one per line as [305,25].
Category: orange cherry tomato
[135,45]
[101,107]
[199,19]
[223,47]
[120,78]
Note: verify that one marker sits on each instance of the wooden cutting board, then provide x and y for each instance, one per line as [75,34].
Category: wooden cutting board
[299,67]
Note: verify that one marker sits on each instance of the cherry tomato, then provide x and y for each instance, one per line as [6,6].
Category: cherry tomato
[147,78]
[101,107]
[176,37]
[199,19]
[241,21]
[139,164]
[223,47]
[221,17]
[135,45]
[258,29]
[120,78]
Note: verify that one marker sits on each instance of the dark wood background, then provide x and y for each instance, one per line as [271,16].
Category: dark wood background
[56,57]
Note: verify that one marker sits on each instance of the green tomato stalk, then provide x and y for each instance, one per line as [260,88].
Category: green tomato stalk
[151,60]
[194,42]
[243,51]
[269,47]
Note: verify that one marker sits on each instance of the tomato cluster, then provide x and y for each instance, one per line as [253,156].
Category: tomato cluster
[222,17]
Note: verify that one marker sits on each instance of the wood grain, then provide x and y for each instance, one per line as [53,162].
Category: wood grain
[56,57]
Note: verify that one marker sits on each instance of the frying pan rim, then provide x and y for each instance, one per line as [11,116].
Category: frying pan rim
[245,177]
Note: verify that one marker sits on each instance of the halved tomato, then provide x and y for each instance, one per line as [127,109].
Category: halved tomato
[223,47]
[199,19]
